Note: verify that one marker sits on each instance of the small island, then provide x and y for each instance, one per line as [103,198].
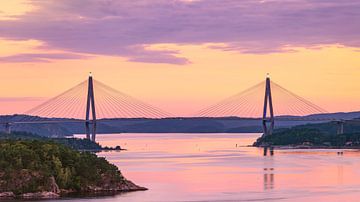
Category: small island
[312,136]
[47,169]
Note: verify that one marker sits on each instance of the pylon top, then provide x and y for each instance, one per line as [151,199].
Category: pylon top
[90,74]
[267,75]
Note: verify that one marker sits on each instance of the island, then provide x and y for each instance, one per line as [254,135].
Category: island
[321,135]
[47,169]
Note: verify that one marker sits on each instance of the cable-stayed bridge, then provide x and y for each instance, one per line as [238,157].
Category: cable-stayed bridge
[89,102]
[92,101]
[250,103]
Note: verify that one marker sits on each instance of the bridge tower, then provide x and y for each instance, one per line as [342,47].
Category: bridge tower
[90,104]
[268,122]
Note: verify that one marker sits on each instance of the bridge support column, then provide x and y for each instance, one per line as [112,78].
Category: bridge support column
[87,129]
[268,122]
[7,128]
[340,129]
[90,105]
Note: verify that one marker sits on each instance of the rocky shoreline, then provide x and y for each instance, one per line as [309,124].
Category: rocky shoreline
[55,193]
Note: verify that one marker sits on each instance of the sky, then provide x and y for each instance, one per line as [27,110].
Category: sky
[180,55]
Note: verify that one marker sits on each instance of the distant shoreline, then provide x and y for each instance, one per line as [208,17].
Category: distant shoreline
[288,147]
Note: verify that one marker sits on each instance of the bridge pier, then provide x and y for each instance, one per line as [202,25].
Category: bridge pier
[93,138]
[268,129]
[340,129]
[270,149]
[7,128]
[87,129]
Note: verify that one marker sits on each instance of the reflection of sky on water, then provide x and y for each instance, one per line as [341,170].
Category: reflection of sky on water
[220,167]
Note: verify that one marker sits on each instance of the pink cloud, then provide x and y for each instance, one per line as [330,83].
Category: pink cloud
[109,27]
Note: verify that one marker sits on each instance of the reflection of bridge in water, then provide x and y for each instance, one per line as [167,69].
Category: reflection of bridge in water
[91,102]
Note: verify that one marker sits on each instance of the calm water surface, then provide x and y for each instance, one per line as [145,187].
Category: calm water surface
[219,167]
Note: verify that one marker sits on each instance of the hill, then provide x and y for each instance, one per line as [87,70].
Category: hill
[33,168]
[323,134]
[165,125]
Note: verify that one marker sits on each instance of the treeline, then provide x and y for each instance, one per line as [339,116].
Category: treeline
[74,143]
[312,134]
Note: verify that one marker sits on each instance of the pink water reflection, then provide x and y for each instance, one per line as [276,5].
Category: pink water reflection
[219,167]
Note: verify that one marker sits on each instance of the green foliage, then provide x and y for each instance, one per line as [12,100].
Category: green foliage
[308,134]
[78,144]
[26,166]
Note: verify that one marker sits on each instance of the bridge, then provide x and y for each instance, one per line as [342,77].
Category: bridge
[92,101]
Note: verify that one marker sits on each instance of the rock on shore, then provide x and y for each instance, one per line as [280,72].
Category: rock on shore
[53,191]
[40,195]
[6,195]
[123,186]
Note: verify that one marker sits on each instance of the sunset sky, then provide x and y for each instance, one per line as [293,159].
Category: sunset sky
[180,55]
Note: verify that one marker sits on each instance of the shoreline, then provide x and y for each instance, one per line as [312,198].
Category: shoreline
[101,150]
[126,187]
[285,147]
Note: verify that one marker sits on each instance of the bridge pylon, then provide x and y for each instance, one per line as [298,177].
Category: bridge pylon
[268,122]
[90,105]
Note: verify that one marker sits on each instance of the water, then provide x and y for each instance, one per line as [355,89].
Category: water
[219,167]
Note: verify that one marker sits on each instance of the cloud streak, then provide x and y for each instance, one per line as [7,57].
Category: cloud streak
[41,57]
[124,28]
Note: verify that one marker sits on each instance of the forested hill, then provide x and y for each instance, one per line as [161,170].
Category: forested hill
[42,169]
[324,134]
[165,125]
